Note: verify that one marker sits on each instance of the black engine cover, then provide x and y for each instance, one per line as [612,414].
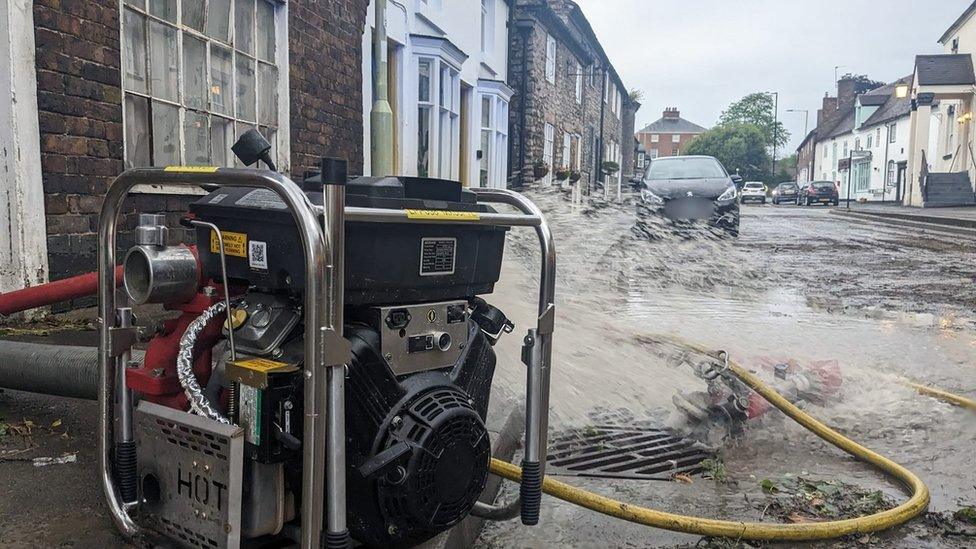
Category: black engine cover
[418,450]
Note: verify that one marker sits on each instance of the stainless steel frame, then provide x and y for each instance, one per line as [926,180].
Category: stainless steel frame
[326,351]
[320,283]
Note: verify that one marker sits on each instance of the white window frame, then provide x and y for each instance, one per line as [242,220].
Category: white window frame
[550,59]
[567,151]
[892,133]
[579,83]
[676,138]
[280,142]
[487,26]
[548,146]
[444,110]
[495,159]
[655,138]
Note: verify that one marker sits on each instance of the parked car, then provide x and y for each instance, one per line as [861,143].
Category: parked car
[753,191]
[683,191]
[785,192]
[818,192]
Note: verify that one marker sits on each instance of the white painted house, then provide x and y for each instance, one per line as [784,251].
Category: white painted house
[447,66]
[873,135]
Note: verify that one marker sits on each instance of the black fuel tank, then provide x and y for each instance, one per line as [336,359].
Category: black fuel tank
[386,263]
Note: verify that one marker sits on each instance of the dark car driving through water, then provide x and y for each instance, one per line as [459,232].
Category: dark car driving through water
[818,192]
[785,192]
[686,191]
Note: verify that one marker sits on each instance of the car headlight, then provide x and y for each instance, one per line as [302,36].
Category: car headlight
[651,198]
[729,194]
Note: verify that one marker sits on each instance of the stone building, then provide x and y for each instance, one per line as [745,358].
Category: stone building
[97,86]
[668,135]
[568,111]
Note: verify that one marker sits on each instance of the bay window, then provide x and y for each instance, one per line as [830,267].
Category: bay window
[438,108]
[196,74]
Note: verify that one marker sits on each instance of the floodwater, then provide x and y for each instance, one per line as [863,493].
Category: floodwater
[800,284]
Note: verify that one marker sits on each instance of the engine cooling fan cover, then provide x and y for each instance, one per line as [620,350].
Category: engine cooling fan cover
[447,467]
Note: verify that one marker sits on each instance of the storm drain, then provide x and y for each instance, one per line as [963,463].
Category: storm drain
[623,451]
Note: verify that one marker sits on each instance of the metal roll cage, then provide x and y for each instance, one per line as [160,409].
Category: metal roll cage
[326,351]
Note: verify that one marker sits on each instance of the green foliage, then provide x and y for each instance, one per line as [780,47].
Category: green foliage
[610,167]
[757,109]
[714,469]
[740,147]
[966,514]
[862,83]
[796,499]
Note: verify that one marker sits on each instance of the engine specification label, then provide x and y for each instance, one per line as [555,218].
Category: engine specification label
[437,256]
[234,243]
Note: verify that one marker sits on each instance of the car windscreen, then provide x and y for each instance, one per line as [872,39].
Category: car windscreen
[787,187]
[685,168]
[823,185]
[754,185]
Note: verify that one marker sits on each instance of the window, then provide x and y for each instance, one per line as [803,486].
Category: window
[676,138]
[892,172]
[877,137]
[845,149]
[566,160]
[550,59]
[833,146]
[579,83]
[192,83]
[825,151]
[870,141]
[857,143]
[594,75]
[494,140]
[892,133]
[862,176]
[577,162]
[487,25]
[655,138]
[675,152]
[547,149]
[955,45]
[438,107]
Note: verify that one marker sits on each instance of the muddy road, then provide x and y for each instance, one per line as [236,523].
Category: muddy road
[799,284]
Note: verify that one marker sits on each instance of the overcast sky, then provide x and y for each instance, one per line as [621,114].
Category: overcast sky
[701,55]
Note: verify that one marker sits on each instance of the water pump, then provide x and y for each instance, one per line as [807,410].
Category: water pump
[329,374]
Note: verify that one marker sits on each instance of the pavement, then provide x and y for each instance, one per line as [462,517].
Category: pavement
[960,217]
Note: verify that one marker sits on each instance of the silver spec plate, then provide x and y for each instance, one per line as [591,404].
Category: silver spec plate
[429,320]
[189,471]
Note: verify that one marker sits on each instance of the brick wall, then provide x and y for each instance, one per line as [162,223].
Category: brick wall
[80,113]
[325,41]
[556,103]
[665,145]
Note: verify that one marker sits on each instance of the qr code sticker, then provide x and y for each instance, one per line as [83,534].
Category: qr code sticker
[258,255]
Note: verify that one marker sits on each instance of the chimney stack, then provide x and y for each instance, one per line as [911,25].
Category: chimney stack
[672,112]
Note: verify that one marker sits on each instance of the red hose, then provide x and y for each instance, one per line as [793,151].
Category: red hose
[53,292]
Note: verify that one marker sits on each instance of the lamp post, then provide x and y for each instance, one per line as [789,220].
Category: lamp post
[775,130]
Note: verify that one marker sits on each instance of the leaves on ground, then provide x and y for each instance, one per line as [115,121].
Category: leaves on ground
[797,500]
[714,468]
[683,478]
[47,326]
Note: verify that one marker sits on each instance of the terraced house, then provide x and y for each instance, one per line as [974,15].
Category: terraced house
[571,114]
[95,87]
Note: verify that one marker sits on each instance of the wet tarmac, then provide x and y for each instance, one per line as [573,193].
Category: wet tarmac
[799,283]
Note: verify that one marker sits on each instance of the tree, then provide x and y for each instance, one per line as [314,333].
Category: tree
[862,83]
[740,147]
[757,109]
[785,169]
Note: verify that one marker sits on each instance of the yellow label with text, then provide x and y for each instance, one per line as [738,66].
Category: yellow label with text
[262,365]
[234,244]
[191,169]
[442,215]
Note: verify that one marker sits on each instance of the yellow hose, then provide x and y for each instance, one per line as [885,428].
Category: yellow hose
[916,504]
[944,396]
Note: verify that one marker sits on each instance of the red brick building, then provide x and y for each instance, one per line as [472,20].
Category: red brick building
[102,85]
[668,135]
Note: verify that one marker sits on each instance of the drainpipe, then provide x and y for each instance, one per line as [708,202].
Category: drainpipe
[381,115]
[526,30]
[599,151]
[884,167]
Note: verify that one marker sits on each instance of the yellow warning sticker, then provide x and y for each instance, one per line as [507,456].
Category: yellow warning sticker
[191,169]
[234,244]
[442,215]
[262,365]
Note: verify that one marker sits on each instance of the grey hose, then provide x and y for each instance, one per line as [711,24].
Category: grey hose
[184,365]
[507,511]
[59,370]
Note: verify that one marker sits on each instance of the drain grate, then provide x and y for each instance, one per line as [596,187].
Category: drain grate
[633,451]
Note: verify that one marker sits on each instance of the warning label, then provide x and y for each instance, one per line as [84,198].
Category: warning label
[442,215]
[234,244]
[261,364]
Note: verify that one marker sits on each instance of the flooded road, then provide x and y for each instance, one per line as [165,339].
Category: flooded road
[800,284]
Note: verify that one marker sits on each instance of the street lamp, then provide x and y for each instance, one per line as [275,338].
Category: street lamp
[806,119]
[775,130]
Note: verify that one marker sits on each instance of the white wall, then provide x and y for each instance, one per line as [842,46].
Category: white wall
[23,241]
[459,23]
